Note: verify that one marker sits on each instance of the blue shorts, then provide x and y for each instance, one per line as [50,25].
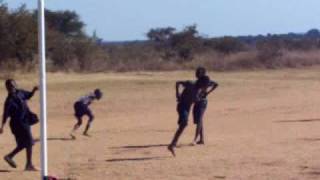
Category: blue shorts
[198,111]
[23,135]
[81,109]
[183,110]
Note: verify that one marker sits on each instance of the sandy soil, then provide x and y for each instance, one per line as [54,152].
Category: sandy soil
[259,125]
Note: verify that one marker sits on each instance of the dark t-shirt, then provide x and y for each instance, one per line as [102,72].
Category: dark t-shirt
[202,95]
[17,109]
[188,94]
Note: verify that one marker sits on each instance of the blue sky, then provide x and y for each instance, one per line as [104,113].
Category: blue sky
[117,20]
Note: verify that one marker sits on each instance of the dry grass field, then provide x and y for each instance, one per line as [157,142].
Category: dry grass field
[259,125]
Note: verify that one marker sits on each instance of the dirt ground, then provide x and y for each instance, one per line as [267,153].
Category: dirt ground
[259,125]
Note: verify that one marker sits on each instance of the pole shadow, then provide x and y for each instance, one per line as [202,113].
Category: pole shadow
[137,159]
[37,140]
[298,121]
[60,139]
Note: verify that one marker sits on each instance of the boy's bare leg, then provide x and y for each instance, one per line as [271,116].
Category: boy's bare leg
[197,132]
[29,164]
[9,158]
[75,128]
[175,139]
[201,141]
[87,129]
[88,125]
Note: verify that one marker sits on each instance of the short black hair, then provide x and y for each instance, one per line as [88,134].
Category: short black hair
[98,93]
[201,70]
[9,82]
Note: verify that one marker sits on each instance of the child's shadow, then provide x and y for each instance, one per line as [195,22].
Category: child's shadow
[140,146]
[4,171]
[137,159]
[149,146]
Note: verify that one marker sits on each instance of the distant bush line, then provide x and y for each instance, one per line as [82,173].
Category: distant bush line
[69,48]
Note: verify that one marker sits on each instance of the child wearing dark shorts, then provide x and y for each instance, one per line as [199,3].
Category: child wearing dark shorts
[81,108]
[201,104]
[185,101]
[17,110]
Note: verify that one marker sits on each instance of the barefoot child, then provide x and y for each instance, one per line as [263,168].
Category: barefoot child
[185,100]
[200,105]
[81,108]
[17,110]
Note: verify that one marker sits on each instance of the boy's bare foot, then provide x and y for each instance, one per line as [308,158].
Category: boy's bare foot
[72,136]
[31,168]
[171,149]
[10,162]
[200,142]
[86,134]
[193,143]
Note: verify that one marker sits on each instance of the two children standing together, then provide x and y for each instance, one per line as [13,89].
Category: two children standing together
[193,93]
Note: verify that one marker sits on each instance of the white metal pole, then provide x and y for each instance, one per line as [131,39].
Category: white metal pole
[43,89]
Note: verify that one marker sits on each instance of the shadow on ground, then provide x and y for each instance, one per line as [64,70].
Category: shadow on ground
[55,139]
[298,121]
[4,171]
[220,177]
[137,159]
[310,171]
[60,139]
[150,146]
[140,146]
[310,139]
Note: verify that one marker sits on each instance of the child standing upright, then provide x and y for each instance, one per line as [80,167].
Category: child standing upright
[201,104]
[81,108]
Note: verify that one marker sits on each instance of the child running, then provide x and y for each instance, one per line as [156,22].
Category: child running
[201,104]
[185,101]
[81,108]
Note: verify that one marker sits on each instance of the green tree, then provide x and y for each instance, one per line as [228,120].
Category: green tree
[186,42]
[23,34]
[66,22]
[160,34]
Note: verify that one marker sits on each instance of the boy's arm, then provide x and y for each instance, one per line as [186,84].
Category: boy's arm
[213,85]
[27,95]
[178,84]
[34,90]
[177,90]
[5,116]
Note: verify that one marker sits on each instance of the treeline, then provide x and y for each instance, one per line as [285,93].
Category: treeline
[69,48]
[168,48]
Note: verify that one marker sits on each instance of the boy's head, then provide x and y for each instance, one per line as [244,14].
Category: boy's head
[11,86]
[201,71]
[98,94]
[203,82]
